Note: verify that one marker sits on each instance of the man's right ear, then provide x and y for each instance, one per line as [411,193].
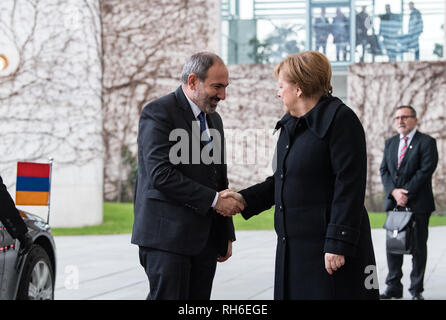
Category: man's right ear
[192,81]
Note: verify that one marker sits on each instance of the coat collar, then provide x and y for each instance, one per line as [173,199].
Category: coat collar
[319,118]
[186,109]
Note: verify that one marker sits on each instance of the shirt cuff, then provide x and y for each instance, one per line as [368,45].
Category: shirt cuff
[214,203]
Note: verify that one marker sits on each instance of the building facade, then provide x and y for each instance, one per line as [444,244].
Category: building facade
[76,87]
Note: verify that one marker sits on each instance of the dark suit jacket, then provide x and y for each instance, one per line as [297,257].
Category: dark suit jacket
[414,174]
[173,201]
[9,215]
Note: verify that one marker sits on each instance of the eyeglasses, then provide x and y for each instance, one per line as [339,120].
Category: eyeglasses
[404,118]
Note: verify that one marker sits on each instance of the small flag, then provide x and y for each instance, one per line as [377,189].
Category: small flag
[33,184]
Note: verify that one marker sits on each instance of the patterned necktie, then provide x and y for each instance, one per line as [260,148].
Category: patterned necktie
[202,119]
[402,152]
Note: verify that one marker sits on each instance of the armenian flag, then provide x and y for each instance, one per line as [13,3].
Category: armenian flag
[33,184]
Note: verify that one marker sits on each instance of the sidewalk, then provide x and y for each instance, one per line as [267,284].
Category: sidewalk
[107,267]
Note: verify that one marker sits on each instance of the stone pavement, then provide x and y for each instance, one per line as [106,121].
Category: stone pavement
[107,267]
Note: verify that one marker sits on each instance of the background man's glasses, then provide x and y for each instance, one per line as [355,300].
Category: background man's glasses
[404,118]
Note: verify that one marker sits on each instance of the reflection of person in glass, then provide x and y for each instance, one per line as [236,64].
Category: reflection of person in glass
[362,20]
[415,29]
[321,30]
[390,27]
[340,34]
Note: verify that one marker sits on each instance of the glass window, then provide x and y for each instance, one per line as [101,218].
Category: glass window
[262,32]
[330,30]
[347,31]
[397,30]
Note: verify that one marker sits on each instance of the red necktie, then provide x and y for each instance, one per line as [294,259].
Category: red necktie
[402,152]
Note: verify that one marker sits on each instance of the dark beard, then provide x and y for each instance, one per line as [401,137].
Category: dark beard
[210,109]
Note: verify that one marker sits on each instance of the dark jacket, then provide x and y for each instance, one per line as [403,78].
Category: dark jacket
[173,201]
[9,215]
[414,174]
[318,190]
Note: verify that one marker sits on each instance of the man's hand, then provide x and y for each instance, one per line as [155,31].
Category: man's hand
[333,262]
[228,253]
[400,196]
[234,195]
[228,205]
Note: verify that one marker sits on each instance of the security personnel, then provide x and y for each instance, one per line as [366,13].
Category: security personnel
[409,161]
[11,220]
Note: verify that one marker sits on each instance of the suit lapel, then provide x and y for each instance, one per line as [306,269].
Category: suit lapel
[187,112]
[184,105]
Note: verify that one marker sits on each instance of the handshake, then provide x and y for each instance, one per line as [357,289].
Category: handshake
[230,203]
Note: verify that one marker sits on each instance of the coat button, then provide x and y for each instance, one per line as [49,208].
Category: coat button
[287,146]
[280,208]
[344,233]
[283,240]
[281,176]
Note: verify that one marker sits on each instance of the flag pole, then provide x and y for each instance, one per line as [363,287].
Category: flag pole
[49,196]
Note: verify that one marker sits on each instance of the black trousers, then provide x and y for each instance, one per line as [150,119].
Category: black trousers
[179,277]
[419,259]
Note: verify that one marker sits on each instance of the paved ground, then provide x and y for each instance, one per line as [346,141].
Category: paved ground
[107,267]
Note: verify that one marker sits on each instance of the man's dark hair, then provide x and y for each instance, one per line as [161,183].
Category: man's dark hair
[199,64]
[413,111]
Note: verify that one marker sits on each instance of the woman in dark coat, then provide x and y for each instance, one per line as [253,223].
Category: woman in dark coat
[324,248]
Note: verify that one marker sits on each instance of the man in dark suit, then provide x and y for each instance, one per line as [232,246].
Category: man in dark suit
[410,159]
[11,220]
[180,235]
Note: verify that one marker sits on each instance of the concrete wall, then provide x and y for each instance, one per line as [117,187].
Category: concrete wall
[50,103]
[145,44]
[249,112]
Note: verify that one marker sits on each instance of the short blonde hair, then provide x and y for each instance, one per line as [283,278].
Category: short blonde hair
[310,70]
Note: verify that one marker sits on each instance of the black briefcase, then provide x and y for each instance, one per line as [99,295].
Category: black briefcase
[400,231]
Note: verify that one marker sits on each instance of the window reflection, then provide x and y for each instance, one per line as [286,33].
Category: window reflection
[331,32]
[347,31]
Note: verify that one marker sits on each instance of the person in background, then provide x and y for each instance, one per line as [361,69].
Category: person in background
[390,27]
[415,29]
[341,36]
[321,31]
[362,21]
[409,161]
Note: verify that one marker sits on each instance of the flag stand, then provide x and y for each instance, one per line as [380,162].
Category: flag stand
[49,196]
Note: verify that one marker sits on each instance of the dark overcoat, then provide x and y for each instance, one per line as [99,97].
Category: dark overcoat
[9,215]
[318,189]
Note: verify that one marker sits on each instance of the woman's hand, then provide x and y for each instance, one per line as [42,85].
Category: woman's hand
[333,262]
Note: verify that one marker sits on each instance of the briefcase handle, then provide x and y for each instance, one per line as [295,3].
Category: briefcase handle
[405,208]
